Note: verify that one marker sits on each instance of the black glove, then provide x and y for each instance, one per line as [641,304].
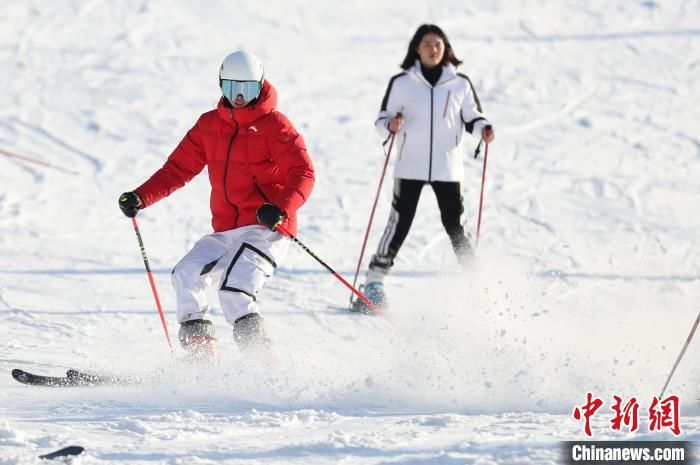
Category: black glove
[130,203]
[270,215]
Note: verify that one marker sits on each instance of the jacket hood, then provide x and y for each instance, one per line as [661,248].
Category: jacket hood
[266,103]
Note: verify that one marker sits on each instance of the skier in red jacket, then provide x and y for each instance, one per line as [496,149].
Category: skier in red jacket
[260,174]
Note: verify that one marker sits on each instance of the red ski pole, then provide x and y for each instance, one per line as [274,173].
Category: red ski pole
[481,197]
[680,356]
[359,295]
[153,283]
[371,215]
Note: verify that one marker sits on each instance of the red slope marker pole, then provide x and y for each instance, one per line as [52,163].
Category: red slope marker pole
[36,162]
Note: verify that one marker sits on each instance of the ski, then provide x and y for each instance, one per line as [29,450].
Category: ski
[92,379]
[73,378]
[65,452]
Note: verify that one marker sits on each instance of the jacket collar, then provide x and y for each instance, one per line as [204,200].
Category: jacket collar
[449,72]
[267,103]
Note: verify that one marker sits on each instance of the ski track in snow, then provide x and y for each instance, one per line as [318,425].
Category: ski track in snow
[589,265]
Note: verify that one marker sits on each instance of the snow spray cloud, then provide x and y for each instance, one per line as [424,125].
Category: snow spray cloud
[495,339]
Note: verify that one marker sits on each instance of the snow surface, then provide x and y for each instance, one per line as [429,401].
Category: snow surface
[589,270]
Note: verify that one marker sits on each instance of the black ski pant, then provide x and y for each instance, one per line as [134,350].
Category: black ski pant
[403,209]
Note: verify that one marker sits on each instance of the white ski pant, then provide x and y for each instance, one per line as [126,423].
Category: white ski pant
[238,262]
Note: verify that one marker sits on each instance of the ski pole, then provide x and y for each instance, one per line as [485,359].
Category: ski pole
[360,295]
[481,197]
[680,356]
[153,283]
[371,215]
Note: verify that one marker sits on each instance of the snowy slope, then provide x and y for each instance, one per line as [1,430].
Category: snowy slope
[589,274]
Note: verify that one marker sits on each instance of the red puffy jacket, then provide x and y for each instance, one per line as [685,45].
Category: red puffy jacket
[254,155]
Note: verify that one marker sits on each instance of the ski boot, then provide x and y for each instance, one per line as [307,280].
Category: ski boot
[198,339]
[374,291]
[464,249]
[251,338]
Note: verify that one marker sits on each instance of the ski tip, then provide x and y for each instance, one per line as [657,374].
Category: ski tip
[18,374]
[65,452]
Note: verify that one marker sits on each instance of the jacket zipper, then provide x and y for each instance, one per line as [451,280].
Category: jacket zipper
[257,188]
[447,101]
[432,111]
[432,122]
[228,158]
[430,168]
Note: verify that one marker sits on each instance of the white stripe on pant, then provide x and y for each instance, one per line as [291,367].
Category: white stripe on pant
[390,229]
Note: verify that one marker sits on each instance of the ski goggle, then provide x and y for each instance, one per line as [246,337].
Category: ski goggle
[250,90]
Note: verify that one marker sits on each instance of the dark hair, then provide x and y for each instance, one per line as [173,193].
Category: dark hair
[412,55]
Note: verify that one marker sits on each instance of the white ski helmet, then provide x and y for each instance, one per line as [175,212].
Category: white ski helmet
[241,73]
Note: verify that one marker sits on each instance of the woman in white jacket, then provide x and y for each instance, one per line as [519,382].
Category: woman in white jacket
[427,108]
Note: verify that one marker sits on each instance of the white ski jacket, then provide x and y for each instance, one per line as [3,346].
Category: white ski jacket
[428,146]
